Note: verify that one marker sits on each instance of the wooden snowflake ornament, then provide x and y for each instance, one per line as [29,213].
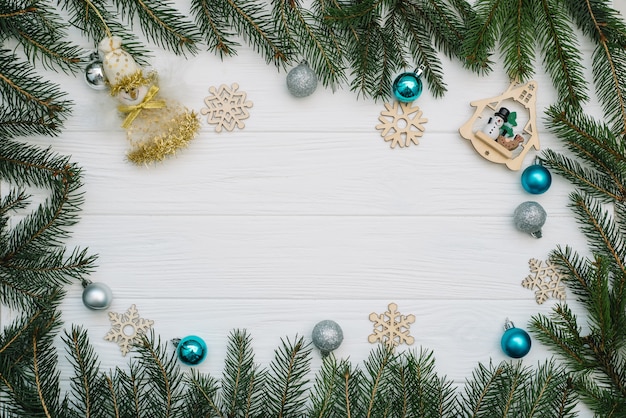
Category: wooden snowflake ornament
[545,279]
[401,124]
[226,107]
[127,328]
[391,328]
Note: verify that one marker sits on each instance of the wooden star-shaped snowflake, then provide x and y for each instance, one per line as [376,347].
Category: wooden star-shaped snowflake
[127,328]
[546,279]
[391,328]
[227,107]
[401,124]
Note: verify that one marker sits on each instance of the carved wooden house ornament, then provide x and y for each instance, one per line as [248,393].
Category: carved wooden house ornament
[504,128]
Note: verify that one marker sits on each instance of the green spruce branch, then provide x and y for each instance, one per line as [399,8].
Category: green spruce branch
[33,257]
[30,103]
[162,24]
[96,20]
[41,32]
[388,384]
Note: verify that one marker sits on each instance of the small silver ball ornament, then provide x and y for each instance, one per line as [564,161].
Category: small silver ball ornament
[301,80]
[529,217]
[94,75]
[97,296]
[327,336]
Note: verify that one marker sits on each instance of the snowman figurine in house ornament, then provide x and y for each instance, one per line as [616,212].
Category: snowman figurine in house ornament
[495,123]
[155,127]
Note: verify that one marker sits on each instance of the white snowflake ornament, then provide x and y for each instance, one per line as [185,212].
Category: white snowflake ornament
[545,279]
[227,107]
[401,124]
[391,328]
[127,328]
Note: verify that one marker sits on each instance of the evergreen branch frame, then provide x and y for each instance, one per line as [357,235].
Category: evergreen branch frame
[595,365]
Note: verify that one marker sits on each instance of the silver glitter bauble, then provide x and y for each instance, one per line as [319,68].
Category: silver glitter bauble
[97,296]
[529,217]
[94,75]
[301,80]
[327,336]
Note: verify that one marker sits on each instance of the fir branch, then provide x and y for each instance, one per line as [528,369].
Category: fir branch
[377,386]
[162,24]
[326,392]
[517,43]
[41,32]
[422,50]
[33,257]
[423,392]
[391,57]
[211,18]
[288,378]
[604,238]
[202,397]
[21,89]
[561,53]
[353,394]
[445,26]
[251,19]
[88,387]
[22,121]
[161,377]
[607,29]
[549,394]
[242,384]
[95,19]
[604,177]
[483,29]
[112,395]
[611,84]
[364,57]
[129,389]
[481,392]
[314,40]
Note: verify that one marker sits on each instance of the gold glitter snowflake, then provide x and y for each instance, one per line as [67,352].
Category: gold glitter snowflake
[226,108]
[127,328]
[546,279]
[391,328]
[401,123]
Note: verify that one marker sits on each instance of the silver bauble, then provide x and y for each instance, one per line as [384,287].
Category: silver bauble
[97,296]
[94,75]
[327,336]
[301,80]
[529,217]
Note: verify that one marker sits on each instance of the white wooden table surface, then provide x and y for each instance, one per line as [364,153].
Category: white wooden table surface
[308,214]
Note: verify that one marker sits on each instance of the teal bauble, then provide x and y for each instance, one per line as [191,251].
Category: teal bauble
[407,87]
[536,179]
[515,342]
[191,350]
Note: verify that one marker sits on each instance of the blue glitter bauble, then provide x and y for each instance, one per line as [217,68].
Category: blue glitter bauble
[407,87]
[515,342]
[191,350]
[536,179]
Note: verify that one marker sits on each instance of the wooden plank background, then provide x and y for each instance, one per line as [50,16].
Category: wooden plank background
[307,214]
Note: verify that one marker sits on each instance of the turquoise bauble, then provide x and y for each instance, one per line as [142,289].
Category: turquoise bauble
[407,87]
[191,350]
[515,342]
[536,179]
